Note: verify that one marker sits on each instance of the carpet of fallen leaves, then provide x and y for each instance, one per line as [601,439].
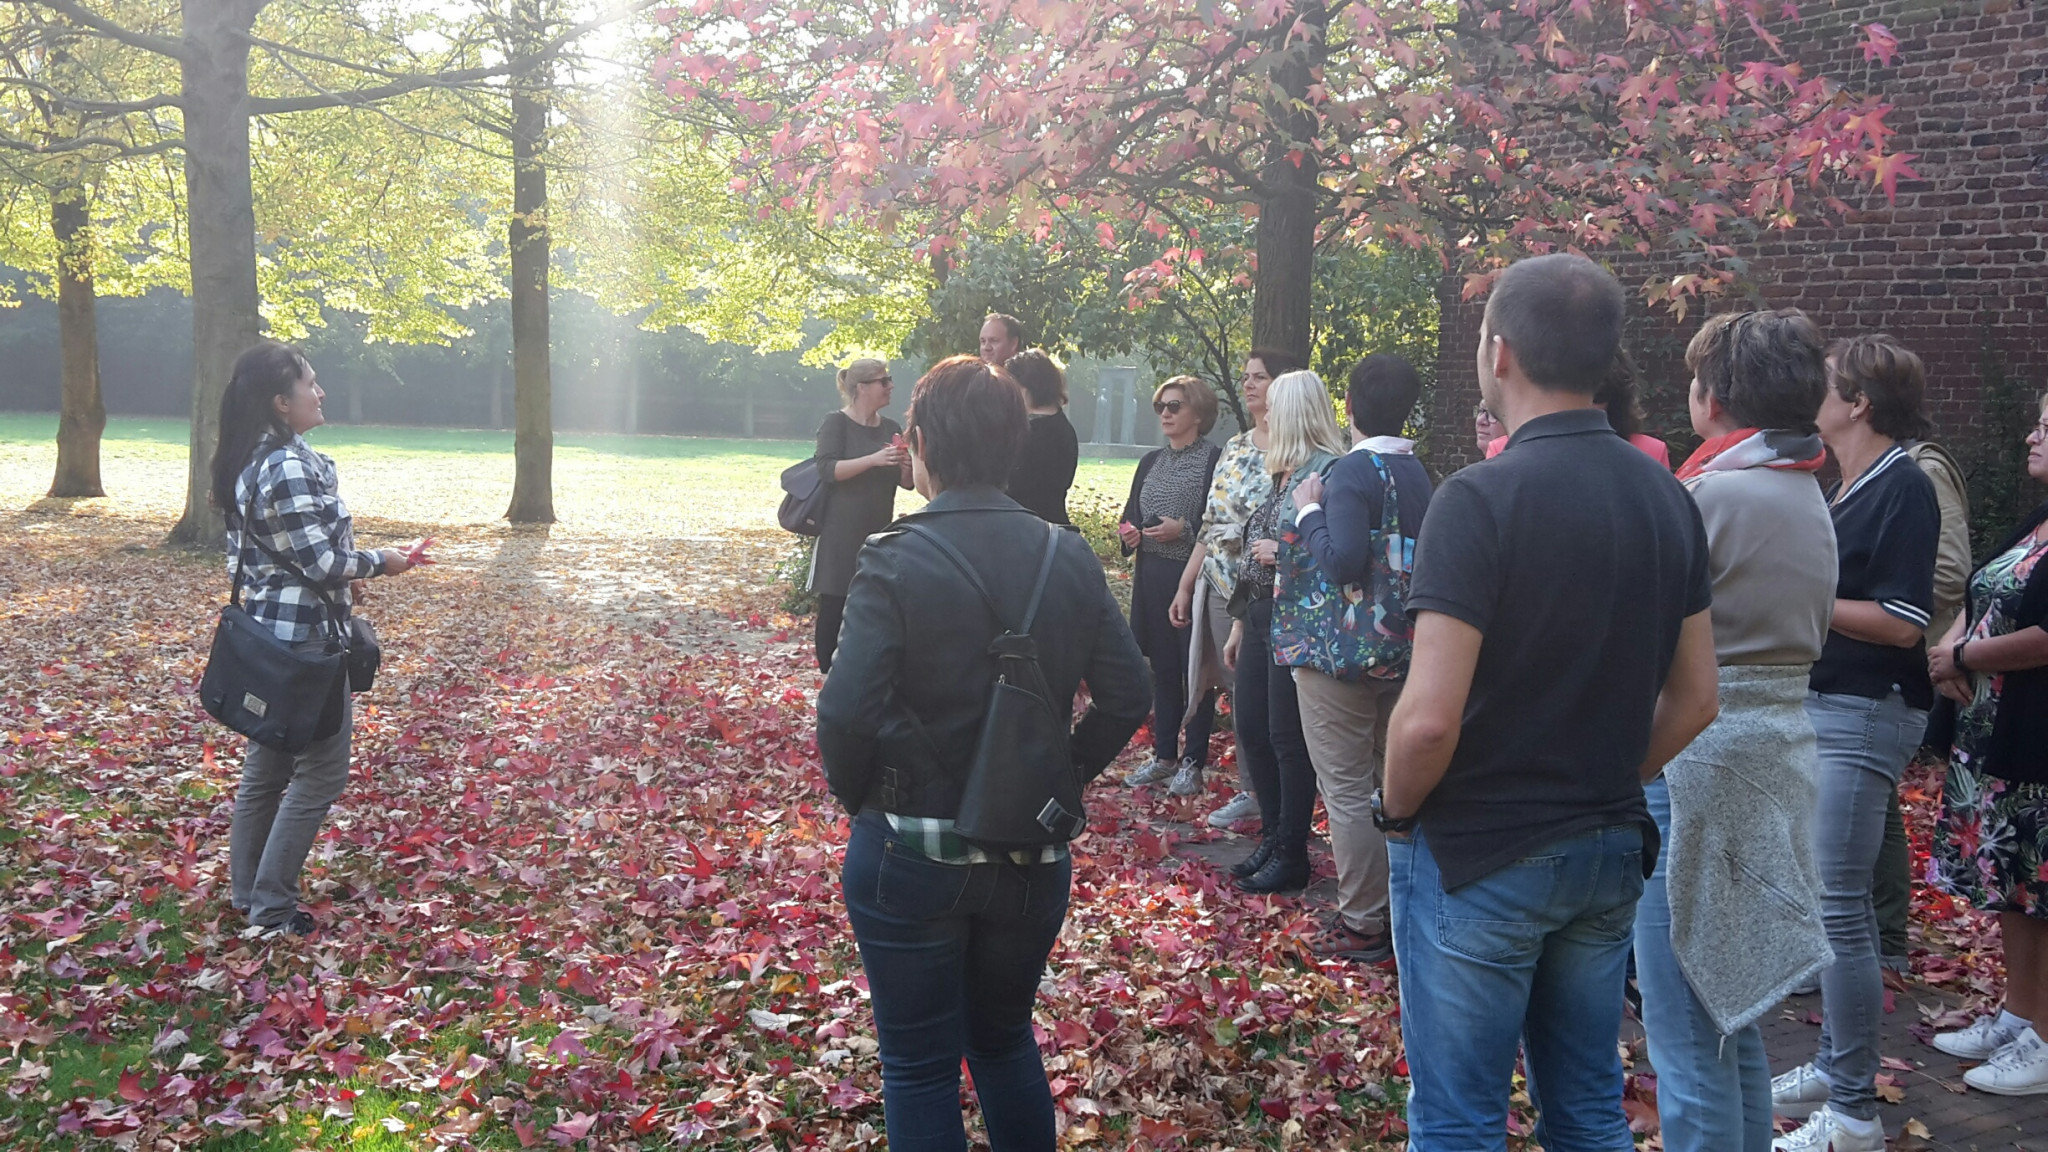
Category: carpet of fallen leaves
[581,891]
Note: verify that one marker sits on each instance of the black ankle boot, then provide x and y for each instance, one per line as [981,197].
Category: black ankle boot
[1249,866]
[1282,872]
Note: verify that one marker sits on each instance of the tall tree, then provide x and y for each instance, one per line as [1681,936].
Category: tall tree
[212,49]
[60,160]
[533,439]
[1479,130]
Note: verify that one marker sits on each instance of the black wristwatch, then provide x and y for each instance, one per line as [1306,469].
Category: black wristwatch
[1386,823]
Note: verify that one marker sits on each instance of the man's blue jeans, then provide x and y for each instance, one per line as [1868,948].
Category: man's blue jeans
[1713,1092]
[1534,954]
[1863,746]
[953,955]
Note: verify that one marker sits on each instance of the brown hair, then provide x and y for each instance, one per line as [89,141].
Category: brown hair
[1278,362]
[1620,394]
[1768,369]
[1561,314]
[968,417]
[1041,377]
[1888,372]
[1200,397]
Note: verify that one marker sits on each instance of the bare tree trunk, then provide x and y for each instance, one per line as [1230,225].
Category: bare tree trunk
[83,415]
[220,207]
[1286,236]
[533,440]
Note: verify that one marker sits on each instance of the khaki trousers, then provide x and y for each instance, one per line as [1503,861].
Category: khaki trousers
[1346,727]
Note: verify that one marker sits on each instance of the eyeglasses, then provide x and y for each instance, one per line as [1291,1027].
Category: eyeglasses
[881,380]
[2040,429]
[1168,407]
[1483,413]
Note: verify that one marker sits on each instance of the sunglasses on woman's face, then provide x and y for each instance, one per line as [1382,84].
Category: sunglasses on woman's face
[1168,407]
[882,380]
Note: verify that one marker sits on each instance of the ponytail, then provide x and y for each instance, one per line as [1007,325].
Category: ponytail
[264,372]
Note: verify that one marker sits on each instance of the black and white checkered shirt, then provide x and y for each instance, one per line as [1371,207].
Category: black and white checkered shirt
[299,514]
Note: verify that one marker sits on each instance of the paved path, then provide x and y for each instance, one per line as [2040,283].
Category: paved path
[1956,1119]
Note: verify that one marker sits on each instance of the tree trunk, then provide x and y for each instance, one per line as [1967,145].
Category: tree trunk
[1286,238]
[221,213]
[533,441]
[84,416]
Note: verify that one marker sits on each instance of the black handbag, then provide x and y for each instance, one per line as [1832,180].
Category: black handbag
[281,695]
[364,654]
[1022,790]
[805,495]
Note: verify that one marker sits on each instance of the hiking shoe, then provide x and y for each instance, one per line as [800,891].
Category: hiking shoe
[1798,1092]
[1340,941]
[1830,1131]
[299,923]
[1242,806]
[1187,781]
[1151,772]
[2018,1069]
[1249,866]
[1982,1039]
[1281,873]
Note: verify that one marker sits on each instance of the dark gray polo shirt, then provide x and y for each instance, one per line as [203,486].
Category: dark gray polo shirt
[1578,557]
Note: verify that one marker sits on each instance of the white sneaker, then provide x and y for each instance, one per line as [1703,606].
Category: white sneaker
[1242,806]
[1151,772]
[1187,781]
[2018,1069]
[1798,1092]
[1825,1131]
[1982,1039]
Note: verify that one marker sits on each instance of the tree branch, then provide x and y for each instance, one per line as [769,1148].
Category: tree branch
[118,146]
[87,18]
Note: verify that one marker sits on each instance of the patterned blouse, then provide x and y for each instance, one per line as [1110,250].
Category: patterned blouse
[1263,525]
[1242,484]
[1173,490]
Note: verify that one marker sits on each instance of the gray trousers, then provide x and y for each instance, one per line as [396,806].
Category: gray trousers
[278,812]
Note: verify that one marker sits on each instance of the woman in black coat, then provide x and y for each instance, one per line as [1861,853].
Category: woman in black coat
[1045,466]
[953,934]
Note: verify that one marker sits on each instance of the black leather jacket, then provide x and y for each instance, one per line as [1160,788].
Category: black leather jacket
[902,706]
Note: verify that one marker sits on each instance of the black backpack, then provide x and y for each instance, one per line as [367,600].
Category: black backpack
[805,495]
[1022,788]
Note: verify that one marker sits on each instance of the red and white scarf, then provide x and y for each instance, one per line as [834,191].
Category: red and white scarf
[1756,448]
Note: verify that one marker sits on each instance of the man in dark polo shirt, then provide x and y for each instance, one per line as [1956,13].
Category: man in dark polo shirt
[1563,654]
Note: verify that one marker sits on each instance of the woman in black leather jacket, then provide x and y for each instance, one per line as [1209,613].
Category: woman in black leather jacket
[954,936]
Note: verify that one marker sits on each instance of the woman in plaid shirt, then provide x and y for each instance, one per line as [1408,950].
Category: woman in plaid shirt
[292,541]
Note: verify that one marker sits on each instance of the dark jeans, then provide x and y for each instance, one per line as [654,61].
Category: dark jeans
[831,613]
[953,955]
[1270,743]
[1170,703]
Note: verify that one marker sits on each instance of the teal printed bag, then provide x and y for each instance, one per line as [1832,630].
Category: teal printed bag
[1347,632]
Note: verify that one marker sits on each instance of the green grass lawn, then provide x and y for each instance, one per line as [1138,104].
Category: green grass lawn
[637,485]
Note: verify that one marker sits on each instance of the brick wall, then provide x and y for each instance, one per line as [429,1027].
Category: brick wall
[1956,268]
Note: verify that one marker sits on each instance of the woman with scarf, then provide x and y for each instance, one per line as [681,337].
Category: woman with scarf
[1730,921]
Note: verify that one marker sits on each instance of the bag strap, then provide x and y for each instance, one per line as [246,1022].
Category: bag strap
[966,568]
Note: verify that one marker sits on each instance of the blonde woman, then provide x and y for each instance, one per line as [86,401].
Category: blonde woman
[861,458]
[1301,438]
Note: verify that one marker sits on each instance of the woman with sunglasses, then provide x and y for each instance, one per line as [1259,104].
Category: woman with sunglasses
[1159,523]
[862,458]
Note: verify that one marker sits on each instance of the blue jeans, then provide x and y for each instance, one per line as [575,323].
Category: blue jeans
[1534,954]
[1713,1091]
[1863,745]
[953,955]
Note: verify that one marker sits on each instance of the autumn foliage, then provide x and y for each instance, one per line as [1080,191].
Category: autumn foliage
[1483,129]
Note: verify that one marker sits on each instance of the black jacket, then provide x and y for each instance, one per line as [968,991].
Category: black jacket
[902,706]
[2018,749]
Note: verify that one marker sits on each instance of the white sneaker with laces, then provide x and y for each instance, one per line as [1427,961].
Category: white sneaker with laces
[1982,1039]
[1151,772]
[1242,806]
[1798,1092]
[1187,781]
[2018,1069]
[1828,1131]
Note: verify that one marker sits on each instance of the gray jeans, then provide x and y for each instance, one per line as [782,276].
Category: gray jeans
[1863,746]
[278,812]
